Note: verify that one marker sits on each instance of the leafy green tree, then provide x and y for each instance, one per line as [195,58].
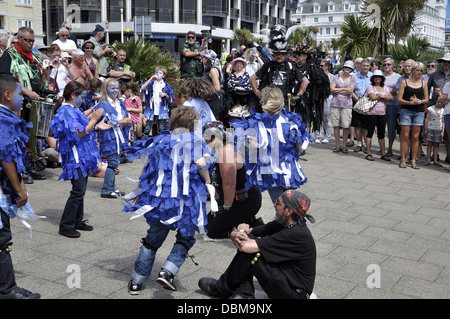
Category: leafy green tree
[414,48]
[144,57]
[355,32]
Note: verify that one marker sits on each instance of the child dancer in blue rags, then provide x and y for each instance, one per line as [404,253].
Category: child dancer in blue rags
[172,196]
[158,94]
[112,140]
[13,194]
[78,150]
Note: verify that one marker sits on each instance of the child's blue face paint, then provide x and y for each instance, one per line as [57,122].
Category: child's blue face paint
[113,89]
[159,74]
[79,100]
[18,98]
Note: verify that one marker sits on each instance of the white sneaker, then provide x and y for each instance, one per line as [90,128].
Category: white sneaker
[325,141]
[317,141]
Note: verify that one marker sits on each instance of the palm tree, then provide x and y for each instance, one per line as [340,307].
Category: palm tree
[354,35]
[144,57]
[415,48]
[304,35]
[398,16]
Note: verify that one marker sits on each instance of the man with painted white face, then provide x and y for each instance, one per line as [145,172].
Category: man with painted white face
[280,254]
[191,57]
[13,193]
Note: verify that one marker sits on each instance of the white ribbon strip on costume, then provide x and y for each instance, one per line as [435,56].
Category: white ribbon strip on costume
[159,182]
[175,218]
[119,137]
[212,194]
[75,154]
[141,211]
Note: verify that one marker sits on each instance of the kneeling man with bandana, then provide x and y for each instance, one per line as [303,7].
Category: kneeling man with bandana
[281,255]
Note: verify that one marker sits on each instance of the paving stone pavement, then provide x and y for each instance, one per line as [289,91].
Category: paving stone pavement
[381,232]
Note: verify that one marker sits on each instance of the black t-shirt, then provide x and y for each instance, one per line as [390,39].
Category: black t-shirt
[292,249]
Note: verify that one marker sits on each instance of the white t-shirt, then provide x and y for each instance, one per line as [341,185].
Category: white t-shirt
[435,120]
[61,79]
[446,90]
[157,88]
[66,45]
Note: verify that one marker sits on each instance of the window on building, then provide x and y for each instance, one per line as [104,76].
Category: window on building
[24,23]
[316,9]
[330,19]
[188,10]
[331,8]
[327,31]
[24,2]
[316,19]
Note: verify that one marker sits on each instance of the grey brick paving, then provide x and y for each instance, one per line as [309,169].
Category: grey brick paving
[367,213]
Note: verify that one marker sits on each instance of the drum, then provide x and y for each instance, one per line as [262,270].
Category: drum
[44,115]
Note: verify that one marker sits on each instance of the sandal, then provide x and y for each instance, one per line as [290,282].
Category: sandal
[389,153]
[385,158]
[437,164]
[426,163]
[414,164]
[345,150]
[402,163]
[370,158]
[336,149]
[357,149]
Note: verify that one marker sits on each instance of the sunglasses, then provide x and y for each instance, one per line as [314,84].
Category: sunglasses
[89,48]
[28,40]
[431,66]
[387,64]
[191,37]
[322,65]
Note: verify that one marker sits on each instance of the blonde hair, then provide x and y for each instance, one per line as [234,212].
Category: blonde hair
[104,91]
[418,65]
[272,100]
[162,69]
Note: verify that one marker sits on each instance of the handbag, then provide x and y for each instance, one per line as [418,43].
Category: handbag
[364,105]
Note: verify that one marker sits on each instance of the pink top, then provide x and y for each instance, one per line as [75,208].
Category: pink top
[129,104]
[380,107]
[339,100]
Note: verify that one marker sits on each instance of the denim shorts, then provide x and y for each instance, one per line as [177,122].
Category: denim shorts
[408,117]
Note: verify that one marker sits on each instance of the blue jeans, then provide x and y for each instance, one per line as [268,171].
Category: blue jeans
[74,209]
[392,112]
[156,236]
[447,123]
[109,182]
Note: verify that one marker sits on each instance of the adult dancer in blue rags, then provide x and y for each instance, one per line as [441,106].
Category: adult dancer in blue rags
[172,195]
[13,194]
[277,138]
[78,150]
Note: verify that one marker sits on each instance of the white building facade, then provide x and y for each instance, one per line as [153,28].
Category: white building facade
[327,15]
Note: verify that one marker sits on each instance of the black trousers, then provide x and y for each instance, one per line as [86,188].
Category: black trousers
[74,209]
[7,278]
[239,278]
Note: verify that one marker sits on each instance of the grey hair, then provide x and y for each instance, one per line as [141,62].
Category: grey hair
[63,29]
[23,30]
[77,53]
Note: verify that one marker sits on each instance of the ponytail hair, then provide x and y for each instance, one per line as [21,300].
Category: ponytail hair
[73,87]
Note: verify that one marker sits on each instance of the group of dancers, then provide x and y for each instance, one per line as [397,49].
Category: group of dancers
[195,161]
